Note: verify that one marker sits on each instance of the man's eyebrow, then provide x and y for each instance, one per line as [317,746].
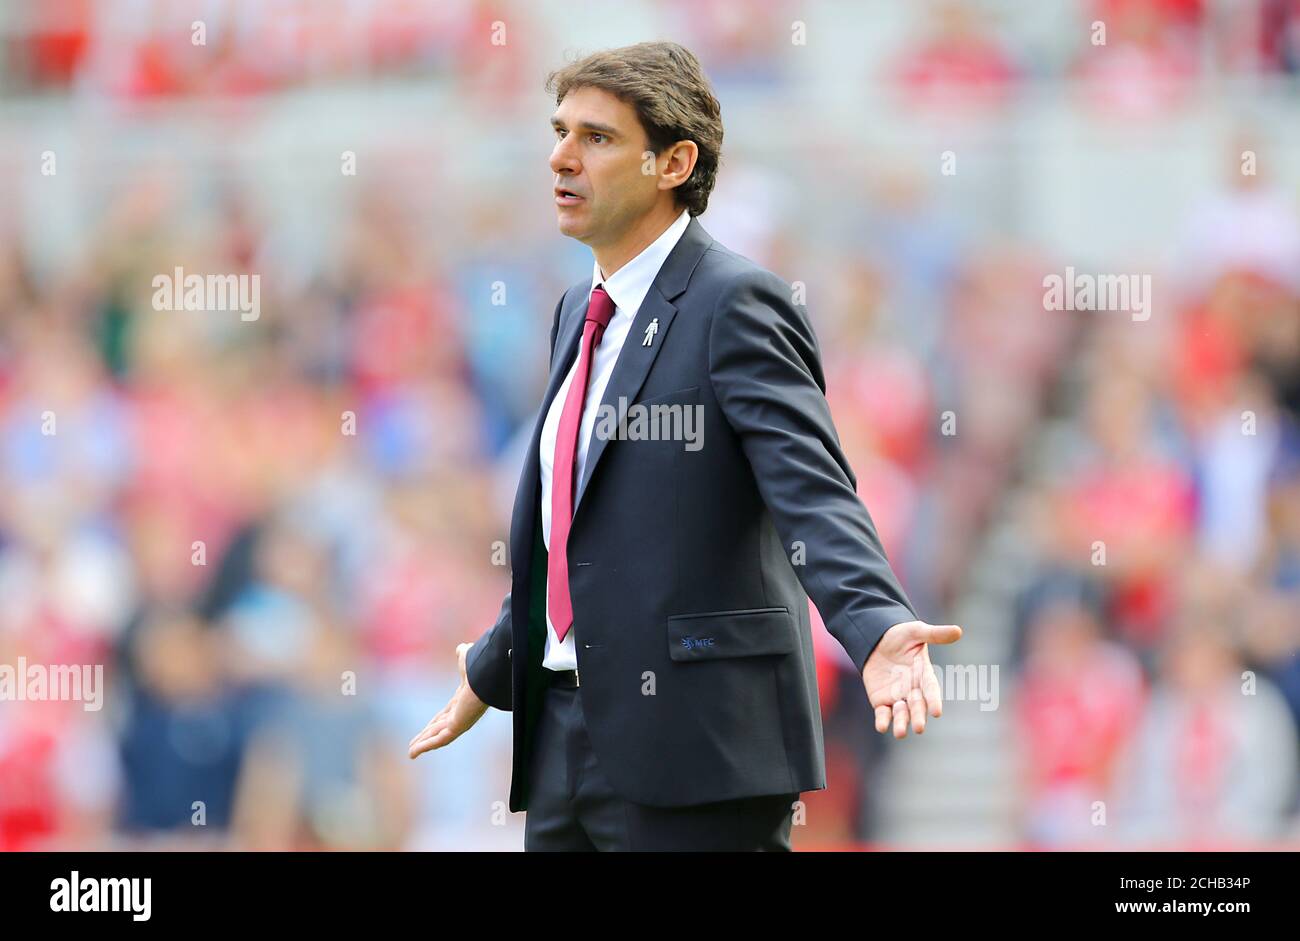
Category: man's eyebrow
[588,126]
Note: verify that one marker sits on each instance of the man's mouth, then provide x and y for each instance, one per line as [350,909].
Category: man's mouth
[566,197]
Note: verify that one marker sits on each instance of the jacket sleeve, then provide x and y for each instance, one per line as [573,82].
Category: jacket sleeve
[487,665]
[766,373]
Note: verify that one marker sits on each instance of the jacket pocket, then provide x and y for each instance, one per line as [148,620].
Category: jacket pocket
[718,635]
[681,396]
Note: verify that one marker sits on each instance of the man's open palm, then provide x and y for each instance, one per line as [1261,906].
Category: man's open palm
[899,678]
[455,718]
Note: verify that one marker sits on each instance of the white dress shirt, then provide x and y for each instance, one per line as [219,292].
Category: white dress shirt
[627,288]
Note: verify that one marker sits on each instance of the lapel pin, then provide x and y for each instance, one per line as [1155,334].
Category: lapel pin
[650,331]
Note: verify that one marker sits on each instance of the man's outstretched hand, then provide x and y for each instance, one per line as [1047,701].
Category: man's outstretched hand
[899,678]
[455,718]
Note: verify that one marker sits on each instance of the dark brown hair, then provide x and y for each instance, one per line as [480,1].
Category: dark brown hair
[665,83]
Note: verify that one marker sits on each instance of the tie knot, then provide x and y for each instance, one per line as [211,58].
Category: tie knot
[601,308]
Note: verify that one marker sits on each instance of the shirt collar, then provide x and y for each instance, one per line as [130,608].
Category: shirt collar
[628,286]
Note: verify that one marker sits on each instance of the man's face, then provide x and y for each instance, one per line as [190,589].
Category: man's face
[598,155]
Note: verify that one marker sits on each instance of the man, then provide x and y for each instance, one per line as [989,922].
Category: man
[655,647]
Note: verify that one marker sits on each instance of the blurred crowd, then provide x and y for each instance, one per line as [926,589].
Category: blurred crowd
[274,533]
[1160,636]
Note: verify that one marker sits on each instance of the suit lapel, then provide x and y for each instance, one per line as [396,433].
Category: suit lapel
[630,372]
[526,509]
[635,359]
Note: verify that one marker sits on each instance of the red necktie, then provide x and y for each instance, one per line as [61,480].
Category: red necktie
[559,605]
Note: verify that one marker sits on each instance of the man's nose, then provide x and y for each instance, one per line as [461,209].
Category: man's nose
[564,158]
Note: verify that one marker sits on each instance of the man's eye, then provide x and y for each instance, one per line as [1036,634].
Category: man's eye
[594,134]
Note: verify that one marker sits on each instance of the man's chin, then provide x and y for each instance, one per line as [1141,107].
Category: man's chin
[573,228]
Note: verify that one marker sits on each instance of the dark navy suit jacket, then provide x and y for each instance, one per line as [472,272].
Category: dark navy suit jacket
[690,570]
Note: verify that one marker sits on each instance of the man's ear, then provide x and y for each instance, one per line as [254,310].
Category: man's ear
[681,163]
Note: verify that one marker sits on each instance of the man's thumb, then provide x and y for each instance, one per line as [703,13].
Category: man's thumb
[940,633]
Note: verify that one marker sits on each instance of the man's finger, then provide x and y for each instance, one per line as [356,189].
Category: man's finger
[933,690]
[430,724]
[436,725]
[882,718]
[899,682]
[426,736]
[420,749]
[424,731]
[916,705]
[916,696]
[437,740]
[900,719]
